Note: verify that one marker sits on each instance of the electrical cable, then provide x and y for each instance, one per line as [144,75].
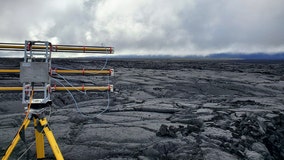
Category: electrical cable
[30,103]
[108,96]
[108,102]
[106,108]
[76,104]
[77,108]
[104,66]
[106,61]
[71,84]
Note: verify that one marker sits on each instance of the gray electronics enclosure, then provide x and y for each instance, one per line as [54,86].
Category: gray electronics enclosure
[34,72]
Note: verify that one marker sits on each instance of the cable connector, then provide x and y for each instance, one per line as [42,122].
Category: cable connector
[111,72]
[53,72]
[110,88]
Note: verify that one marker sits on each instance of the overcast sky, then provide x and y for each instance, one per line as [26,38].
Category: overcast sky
[175,27]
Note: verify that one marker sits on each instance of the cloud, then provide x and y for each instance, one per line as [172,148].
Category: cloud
[149,26]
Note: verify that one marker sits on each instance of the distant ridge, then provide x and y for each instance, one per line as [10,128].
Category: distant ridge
[244,56]
[256,56]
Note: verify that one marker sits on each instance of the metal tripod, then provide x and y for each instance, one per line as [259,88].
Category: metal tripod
[41,130]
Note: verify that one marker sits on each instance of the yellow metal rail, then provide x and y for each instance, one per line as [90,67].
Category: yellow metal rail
[58,48]
[9,71]
[85,88]
[55,71]
[55,88]
[83,71]
[11,88]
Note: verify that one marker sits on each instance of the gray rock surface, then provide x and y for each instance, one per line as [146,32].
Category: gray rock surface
[213,154]
[160,109]
[252,155]
[218,133]
[260,148]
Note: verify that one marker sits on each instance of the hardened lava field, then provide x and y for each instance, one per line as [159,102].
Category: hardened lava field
[160,109]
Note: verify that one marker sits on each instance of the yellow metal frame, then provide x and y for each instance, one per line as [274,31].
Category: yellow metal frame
[39,136]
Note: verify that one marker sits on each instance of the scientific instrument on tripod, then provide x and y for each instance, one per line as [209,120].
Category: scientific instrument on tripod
[35,75]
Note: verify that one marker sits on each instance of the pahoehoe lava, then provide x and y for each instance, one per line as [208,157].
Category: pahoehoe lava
[161,109]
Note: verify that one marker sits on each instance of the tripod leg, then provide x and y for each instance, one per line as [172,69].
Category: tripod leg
[52,142]
[39,141]
[16,139]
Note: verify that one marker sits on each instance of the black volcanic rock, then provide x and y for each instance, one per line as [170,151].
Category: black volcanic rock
[160,109]
[166,131]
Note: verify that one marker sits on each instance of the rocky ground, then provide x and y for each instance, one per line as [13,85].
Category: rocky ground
[160,109]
